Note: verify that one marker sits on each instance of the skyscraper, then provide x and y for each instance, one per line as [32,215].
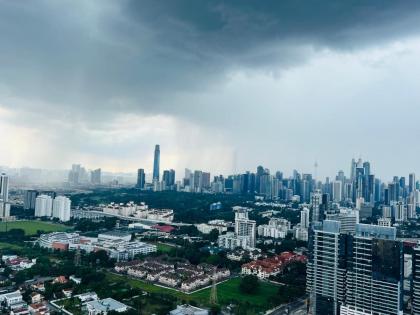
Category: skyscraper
[156,163]
[4,187]
[4,196]
[354,274]
[61,208]
[29,199]
[95,177]
[43,206]
[141,178]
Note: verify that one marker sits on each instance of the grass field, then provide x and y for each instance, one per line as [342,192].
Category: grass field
[31,227]
[227,292]
[9,246]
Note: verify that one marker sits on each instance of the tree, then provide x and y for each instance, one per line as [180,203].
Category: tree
[249,284]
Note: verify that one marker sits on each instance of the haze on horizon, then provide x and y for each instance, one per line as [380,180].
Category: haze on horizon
[221,85]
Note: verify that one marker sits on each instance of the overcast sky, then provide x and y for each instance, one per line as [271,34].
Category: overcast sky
[221,85]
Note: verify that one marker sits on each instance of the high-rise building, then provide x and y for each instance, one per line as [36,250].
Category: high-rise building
[61,208]
[4,187]
[43,206]
[416,281]
[411,182]
[326,268]
[29,199]
[4,196]
[316,199]
[141,178]
[304,218]
[357,274]
[95,177]
[374,277]
[156,163]
[244,226]
[337,191]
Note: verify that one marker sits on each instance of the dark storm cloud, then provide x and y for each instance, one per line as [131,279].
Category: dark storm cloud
[118,56]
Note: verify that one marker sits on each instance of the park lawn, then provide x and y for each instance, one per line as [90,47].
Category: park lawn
[31,227]
[9,246]
[227,292]
[164,248]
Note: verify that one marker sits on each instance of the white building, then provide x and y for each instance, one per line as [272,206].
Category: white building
[61,208]
[304,218]
[384,222]
[43,206]
[400,211]
[348,218]
[244,226]
[276,228]
[218,225]
[188,310]
[104,306]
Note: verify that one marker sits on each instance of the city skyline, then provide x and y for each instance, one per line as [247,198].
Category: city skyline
[214,96]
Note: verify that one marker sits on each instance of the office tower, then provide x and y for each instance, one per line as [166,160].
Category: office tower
[316,198]
[374,276]
[141,178]
[156,163]
[4,196]
[168,178]
[416,281]
[348,219]
[400,212]
[353,170]
[260,172]
[265,185]
[205,180]
[61,208]
[304,218]
[325,280]
[29,199]
[43,206]
[337,191]
[4,187]
[356,274]
[244,226]
[386,212]
[95,177]
[197,180]
[411,182]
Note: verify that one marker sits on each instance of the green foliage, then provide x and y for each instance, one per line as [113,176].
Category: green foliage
[249,284]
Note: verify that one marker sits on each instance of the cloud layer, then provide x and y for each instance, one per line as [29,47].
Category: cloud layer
[279,83]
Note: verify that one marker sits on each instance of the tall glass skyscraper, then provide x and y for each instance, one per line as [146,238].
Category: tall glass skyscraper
[156,163]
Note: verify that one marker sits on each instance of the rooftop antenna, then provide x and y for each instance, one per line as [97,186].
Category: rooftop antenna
[316,170]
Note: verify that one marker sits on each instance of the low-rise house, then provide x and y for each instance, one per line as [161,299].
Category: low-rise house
[38,286]
[124,266]
[67,292]
[272,266]
[39,309]
[102,307]
[87,297]
[195,283]
[36,297]
[23,310]
[170,279]
[60,279]
[138,272]
[75,279]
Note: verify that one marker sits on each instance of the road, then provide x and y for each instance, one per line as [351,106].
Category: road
[295,308]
